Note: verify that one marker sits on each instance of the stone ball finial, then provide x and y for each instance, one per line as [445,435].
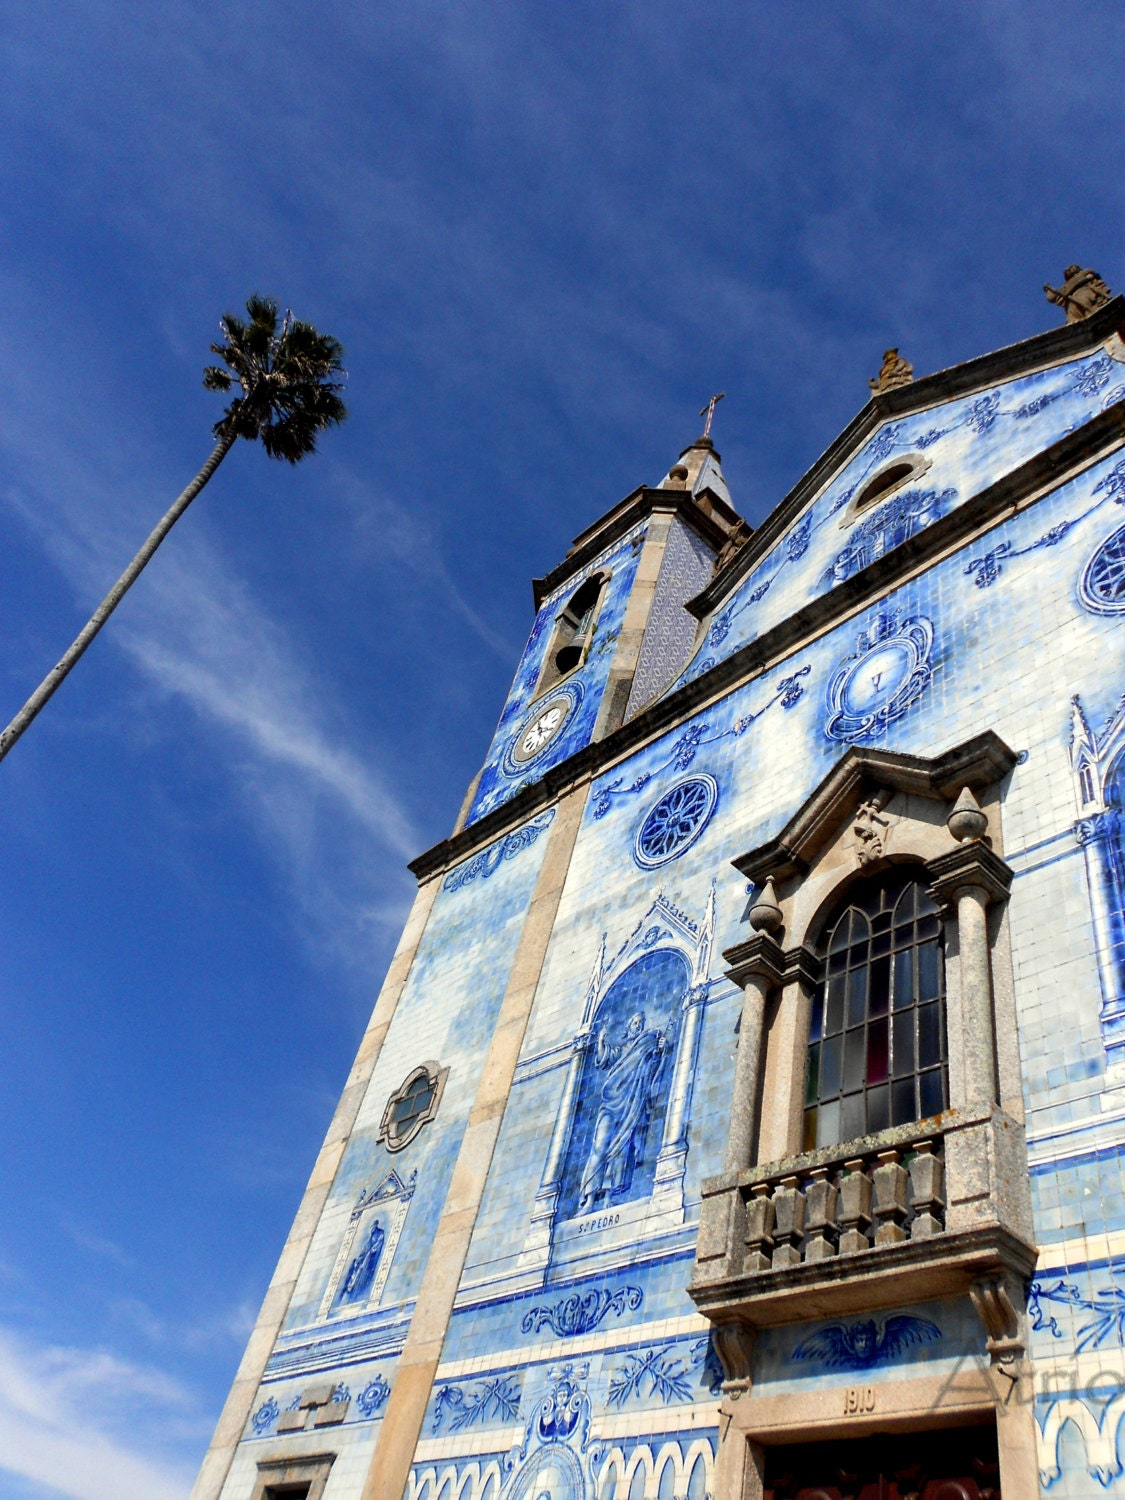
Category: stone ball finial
[765,914]
[966,821]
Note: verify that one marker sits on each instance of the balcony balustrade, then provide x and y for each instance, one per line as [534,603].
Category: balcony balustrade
[920,1211]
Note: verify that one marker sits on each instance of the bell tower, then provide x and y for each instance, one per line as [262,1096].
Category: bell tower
[611,631]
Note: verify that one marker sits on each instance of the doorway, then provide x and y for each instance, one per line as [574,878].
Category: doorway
[955,1463]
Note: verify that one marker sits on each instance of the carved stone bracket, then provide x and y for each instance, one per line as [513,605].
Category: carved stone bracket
[759,957]
[734,1344]
[999,1302]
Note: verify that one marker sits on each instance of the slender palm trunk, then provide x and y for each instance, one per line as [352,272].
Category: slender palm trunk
[55,676]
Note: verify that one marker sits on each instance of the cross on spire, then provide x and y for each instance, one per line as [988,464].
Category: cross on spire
[708,411]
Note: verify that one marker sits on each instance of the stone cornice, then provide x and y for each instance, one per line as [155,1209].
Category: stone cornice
[1043,350]
[972,863]
[978,762]
[1060,461]
[622,518]
[758,957]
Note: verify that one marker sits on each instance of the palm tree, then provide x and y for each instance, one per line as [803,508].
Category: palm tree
[287,396]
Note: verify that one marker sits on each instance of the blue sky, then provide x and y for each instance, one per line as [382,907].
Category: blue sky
[545,234]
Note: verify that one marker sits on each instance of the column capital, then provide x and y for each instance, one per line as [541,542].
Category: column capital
[1095,826]
[759,957]
[972,863]
[802,967]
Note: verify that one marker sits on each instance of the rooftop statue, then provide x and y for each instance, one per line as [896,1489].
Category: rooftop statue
[1082,293]
[894,371]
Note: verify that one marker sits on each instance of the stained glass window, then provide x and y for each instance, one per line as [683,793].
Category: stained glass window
[877,1042]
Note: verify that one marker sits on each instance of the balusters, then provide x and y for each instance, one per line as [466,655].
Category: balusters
[789,1222]
[927,1177]
[759,1228]
[890,1178]
[841,1209]
[820,1216]
[855,1207]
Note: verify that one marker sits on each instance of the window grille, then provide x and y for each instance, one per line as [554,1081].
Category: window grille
[877,1040]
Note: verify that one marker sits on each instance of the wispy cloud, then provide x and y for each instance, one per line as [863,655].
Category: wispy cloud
[197,632]
[69,1420]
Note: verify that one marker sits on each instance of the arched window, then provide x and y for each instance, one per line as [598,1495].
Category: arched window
[574,629]
[883,483]
[877,1044]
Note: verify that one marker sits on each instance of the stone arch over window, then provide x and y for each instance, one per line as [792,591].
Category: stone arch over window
[573,632]
[878,1053]
[885,482]
[876,823]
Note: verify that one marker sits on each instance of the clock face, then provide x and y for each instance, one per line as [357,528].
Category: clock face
[542,729]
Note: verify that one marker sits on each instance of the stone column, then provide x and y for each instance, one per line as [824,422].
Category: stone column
[966,880]
[757,967]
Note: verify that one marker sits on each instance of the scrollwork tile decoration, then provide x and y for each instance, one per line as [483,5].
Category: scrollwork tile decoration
[487,1402]
[660,1372]
[484,865]
[787,692]
[895,522]
[675,821]
[889,670]
[581,1312]
[264,1418]
[373,1397]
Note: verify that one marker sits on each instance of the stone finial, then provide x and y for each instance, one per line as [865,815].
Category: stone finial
[895,371]
[966,821]
[1083,291]
[765,914]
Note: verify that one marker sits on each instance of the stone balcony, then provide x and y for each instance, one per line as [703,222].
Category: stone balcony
[934,1209]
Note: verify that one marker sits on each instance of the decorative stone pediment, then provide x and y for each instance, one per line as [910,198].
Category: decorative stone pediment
[859,777]
[873,807]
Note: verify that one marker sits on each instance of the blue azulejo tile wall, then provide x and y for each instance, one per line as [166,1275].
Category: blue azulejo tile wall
[591,1201]
[445,1015]
[956,449]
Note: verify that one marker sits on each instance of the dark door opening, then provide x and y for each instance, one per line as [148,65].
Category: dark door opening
[956,1463]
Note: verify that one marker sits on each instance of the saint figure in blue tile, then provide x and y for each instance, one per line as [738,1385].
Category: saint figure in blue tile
[623,1112]
[361,1272]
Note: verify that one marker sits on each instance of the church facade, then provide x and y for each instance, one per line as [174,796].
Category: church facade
[743,1113]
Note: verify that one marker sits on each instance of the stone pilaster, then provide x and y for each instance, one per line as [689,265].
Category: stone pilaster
[410,1394]
[236,1411]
